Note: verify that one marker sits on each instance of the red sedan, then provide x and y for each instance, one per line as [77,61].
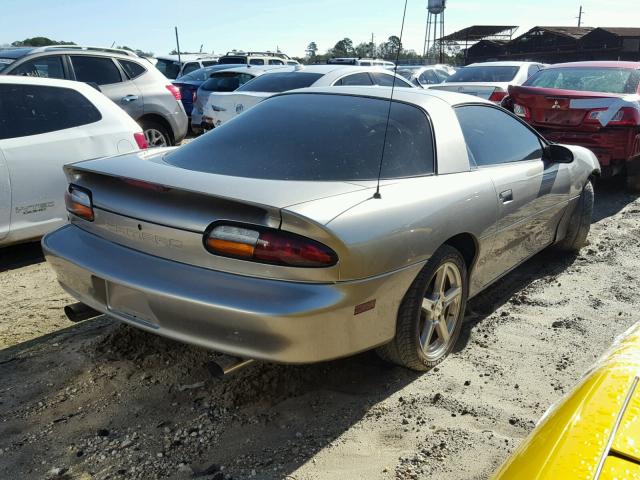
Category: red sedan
[591,104]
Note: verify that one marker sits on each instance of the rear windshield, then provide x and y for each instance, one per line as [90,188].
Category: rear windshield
[169,68]
[484,74]
[608,80]
[280,82]
[225,81]
[315,137]
[5,62]
[232,60]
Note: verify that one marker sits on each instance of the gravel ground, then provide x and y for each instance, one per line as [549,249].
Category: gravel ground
[101,400]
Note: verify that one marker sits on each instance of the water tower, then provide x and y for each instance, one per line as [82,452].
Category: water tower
[435,30]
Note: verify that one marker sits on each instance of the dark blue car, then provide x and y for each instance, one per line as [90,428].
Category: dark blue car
[189,84]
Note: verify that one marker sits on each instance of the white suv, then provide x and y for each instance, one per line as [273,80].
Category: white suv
[256,58]
[45,124]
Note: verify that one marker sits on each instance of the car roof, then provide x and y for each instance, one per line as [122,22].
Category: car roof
[502,64]
[598,64]
[188,57]
[15,52]
[51,82]
[416,96]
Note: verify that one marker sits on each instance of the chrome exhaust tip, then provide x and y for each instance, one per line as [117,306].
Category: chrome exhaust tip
[224,368]
[78,312]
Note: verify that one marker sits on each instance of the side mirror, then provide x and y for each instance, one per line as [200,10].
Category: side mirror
[558,154]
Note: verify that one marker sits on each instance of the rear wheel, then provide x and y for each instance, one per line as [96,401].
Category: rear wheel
[580,222]
[431,313]
[156,134]
[633,183]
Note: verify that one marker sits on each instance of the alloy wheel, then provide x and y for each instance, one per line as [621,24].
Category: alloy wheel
[155,138]
[440,310]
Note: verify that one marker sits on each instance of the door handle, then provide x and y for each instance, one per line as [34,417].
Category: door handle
[129,98]
[506,196]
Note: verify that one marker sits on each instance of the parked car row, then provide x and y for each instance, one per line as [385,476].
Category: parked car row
[130,81]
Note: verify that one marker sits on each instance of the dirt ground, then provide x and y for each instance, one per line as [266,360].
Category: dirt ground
[100,400]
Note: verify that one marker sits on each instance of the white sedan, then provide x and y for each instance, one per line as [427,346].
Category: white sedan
[45,124]
[489,80]
[222,106]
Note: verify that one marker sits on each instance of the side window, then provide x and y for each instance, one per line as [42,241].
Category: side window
[100,70]
[44,67]
[365,64]
[35,109]
[428,77]
[494,137]
[386,80]
[532,69]
[132,69]
[257,61]
[244,78]
[276,62]
[190,67]
[355,79]
[209,63]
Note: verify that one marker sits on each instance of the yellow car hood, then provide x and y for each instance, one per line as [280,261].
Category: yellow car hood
[594,432]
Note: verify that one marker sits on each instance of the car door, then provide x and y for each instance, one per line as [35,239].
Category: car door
[5,188]
[532,192]
[104,72]
[43,135]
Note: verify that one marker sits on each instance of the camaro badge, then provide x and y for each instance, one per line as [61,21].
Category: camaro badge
[239,108]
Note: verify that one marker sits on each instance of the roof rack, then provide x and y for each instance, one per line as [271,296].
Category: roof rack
[120,51]
[265,54]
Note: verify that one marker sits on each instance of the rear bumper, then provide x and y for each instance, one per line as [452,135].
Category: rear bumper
[272,320]
[612,145]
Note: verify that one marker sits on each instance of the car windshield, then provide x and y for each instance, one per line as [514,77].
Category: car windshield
[5,62]
[484,74]
[294,137]
[225,81]
[407,72]
[608,80]
[280,82]
[169,68]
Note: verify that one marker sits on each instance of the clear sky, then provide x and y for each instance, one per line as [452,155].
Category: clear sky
[222,25]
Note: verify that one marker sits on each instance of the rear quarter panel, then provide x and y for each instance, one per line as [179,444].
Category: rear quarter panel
[408,224]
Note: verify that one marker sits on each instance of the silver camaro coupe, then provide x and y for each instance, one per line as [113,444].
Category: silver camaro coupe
[269,237]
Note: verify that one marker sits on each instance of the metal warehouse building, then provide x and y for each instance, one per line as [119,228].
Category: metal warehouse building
[553,44]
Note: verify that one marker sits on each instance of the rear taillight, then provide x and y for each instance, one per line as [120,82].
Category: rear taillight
[78,202]
[625,117]
[175,91]
[268,246]
[141,140]
[521,111]
[497,95]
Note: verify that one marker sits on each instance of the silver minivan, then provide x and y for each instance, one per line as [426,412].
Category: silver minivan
[130,81]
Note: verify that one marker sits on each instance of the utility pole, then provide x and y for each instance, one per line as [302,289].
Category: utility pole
[579,17]
[373,46]
[178,45]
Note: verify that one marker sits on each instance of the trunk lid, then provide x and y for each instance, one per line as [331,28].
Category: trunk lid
[141,185]
[477,89]
[223,106]
[553,107]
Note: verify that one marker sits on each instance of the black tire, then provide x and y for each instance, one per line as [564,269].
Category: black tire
[152,125]
[405,348]
[580,222]
[633,183]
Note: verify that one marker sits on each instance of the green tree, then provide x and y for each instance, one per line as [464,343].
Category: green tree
[344,48]
[39,42]
[312,50]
